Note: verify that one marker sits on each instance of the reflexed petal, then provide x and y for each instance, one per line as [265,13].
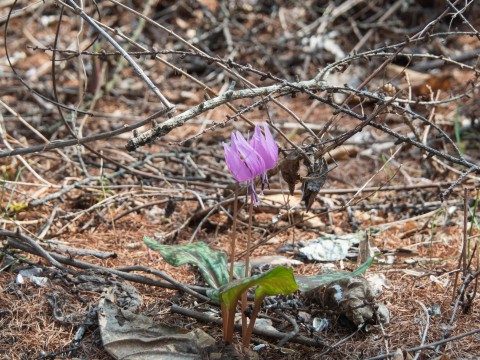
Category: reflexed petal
[257,139]
[272,148]
[265,146]
[237,167]
[247,159]
[250,156]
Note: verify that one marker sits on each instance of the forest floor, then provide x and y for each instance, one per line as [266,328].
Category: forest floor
[406,202]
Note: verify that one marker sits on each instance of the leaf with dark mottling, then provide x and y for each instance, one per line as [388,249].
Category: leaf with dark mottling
[213,265]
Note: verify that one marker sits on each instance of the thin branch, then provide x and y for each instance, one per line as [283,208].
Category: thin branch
[38,250]
[430,346]
[28,242]
[257,331]
[425,331]
[72,142]
[165,127]
[138,70]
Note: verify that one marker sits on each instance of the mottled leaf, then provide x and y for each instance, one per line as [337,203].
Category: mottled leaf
[307,283]
[212,264]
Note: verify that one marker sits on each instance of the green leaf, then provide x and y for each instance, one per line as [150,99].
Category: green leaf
[307,283]
[212,264]
[278,280]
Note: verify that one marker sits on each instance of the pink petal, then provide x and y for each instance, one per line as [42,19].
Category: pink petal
[271,146]
[265,146]
[235,164]
[250,156]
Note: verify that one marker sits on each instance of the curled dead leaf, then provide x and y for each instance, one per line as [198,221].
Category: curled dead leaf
[352,297]
[289,167]
[314,181]
[126,335]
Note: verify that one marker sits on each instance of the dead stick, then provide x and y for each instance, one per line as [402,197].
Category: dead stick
[172,284]
[260,332]
[429,346]
[32,244]
[73,251]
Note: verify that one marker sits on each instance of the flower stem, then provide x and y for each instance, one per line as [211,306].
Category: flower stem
[234,232]
[245,338]
[249,239]
[253,317]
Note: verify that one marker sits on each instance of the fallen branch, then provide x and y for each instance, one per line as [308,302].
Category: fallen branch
[83,140]
[33,246]
[72,251]
[24,243]
[165,127]
[257,331]
[428,346]
[138,70]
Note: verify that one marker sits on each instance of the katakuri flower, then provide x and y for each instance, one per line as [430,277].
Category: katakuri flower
[247,160]
[266,146]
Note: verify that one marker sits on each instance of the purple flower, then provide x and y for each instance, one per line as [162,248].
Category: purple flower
[242,160]
[267,148]
[248,160]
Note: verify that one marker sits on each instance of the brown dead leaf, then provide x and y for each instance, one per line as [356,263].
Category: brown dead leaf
[421,83]
[343,152]
[442,357]
[289,168]
[126,335]
[315,179]
[398,355]
[307,221]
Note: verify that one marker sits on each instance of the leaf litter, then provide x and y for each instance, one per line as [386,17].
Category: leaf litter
[36,322]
